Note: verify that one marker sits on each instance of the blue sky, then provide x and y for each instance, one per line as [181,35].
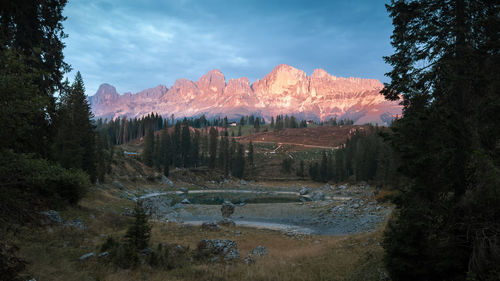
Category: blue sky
[138,44]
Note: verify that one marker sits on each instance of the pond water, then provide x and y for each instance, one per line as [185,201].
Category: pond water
[236,198]
[217,197]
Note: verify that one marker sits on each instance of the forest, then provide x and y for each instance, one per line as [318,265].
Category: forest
[440,160]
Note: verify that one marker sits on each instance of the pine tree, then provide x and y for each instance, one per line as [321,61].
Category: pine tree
[445,68]
[300,170]
[213,147]
[74,145]
[139,233]
[149,144]
[186,144]
[250,154]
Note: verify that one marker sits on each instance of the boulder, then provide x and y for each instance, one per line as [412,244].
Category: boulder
[157,207]
[77,223]
[218,250]
[185,201]
[249,260]
[103,254]
[53,216]
[259,251]
[355,205]
[210,226]
[318,196]
[167,181]
[227,222]
[227,209]
[184,190]
[87,256]
[118,185]
[303,191]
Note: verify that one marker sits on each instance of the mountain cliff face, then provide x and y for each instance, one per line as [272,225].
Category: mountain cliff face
[286,90]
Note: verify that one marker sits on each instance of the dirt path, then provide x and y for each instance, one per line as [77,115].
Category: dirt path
[297,144]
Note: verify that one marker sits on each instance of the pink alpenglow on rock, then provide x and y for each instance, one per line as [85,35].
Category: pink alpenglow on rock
[285,90]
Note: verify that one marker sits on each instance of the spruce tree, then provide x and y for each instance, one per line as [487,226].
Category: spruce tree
[149,144]
[139,233]
[74,145]
[186,144]
[213,147]
[250,154]
[445,69]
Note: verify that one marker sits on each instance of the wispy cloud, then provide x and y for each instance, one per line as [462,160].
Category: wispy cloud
[139,44]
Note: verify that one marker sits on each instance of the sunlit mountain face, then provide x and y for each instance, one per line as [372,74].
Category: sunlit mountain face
[285,90]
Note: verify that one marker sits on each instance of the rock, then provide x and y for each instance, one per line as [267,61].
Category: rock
[165,180]
[259,251]
[355,205]
[184,190]
[227,209]
[87,256]
[318,196]
[146,251]
[157,207]
[378,208]
[219,249]
[178,206]
[210,226]
[227,222]
[342,186]
[243,182]
[53,216]
[118,185]
[185,201]
[103,254]
[77,223]
[249,260]
[126,195]
[303,191]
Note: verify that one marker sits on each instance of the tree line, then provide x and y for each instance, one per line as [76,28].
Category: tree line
[364,157]
[185,146]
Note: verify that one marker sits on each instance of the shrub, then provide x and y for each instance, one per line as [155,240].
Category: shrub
[40,177]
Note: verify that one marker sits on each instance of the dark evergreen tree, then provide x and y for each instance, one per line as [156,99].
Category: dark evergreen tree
[238,167]
[250,154]
[74,145]
[149,145]
[300,170]
[445,69]
[139,233]
[186,144]
[213,147]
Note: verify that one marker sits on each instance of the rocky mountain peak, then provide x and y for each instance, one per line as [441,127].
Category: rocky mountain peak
[285,90]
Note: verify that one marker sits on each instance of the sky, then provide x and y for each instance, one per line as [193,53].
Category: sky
[138,44]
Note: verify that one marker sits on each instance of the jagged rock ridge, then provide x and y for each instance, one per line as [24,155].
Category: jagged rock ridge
[286,90]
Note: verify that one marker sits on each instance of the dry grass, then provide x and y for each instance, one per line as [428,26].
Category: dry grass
[53,254]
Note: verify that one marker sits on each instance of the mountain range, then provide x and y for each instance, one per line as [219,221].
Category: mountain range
[285,90]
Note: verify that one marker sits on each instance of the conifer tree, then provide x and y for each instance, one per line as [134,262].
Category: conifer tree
[445,68]
[74,146]
[185,144]
[250,154]
[149,144]
[139,233]
[213,147]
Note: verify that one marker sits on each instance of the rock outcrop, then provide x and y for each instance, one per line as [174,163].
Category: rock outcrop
[285,90]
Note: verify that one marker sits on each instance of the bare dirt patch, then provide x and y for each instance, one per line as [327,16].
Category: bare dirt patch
[319,137]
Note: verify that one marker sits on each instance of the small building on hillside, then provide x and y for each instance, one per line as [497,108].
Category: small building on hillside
[232,124]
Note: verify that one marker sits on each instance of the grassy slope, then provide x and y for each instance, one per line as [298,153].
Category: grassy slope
[53,251]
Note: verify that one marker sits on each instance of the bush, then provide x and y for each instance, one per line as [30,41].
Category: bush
[40,177]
